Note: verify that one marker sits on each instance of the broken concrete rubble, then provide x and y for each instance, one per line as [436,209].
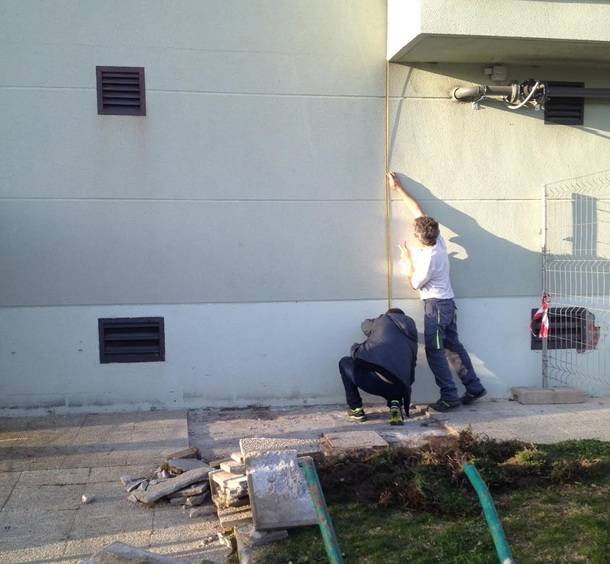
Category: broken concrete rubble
[171,485]
[228,490]
[233,467]
[179,465]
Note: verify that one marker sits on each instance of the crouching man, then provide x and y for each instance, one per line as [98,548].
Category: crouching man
[384,365]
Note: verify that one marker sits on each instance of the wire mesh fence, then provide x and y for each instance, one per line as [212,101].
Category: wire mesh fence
[576,276]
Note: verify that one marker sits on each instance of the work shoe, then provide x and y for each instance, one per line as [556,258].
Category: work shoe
[357,414]
[469,397]
[396,417]
[444,405]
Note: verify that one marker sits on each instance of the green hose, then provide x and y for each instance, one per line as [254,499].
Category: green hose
[331,544]
[491,516]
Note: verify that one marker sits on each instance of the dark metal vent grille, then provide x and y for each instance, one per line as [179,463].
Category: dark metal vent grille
[132,339]
[569,328]
[120,91]
[565,111]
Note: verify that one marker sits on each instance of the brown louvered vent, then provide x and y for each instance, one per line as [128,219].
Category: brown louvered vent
[120,91]
[565,111]
[132,339]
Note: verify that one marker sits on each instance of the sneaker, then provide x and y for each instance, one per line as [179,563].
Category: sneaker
[357,414]
[445,405]
[396,417]
[469,397]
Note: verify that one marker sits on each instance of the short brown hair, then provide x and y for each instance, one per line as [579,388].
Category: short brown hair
[426,230]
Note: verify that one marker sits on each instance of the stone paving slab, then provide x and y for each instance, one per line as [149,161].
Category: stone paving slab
[57,477]
[217,432]
[47,463]
[504,419]
[349,440]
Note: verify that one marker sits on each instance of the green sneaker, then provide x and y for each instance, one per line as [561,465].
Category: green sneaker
[396,417]
[357,414]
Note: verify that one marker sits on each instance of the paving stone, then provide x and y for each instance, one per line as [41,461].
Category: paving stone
[114,473]
[118,552]
[538,396]
[29,498]
[237,457]
[260,444]
[157,491]
[350,440]
[278,491]
[189,452]
[55,477]
[21,529]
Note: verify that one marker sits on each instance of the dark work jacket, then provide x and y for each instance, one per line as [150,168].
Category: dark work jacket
[391,345]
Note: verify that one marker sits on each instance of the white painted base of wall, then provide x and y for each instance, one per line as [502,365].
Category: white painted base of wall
[220,355]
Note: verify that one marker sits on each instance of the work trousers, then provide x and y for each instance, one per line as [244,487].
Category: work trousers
[442,342]
[359,375]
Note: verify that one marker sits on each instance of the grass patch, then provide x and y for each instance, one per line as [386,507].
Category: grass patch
[416,505]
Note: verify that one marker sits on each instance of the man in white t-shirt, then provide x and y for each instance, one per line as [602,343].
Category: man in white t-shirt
[427,268]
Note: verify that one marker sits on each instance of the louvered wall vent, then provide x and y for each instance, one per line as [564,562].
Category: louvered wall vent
[132,339]
[565,111]
[120,91]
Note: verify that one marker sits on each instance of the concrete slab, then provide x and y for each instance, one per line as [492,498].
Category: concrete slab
[55,460]
[278,492]
[118,552]
[217,432]
[262,444]
[57,477]
[30,499]
[502,419]
[543,396]
[351,440]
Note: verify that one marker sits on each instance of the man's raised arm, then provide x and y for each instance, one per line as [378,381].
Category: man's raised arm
[406,197]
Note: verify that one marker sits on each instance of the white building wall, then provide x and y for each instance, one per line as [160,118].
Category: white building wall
[247,206]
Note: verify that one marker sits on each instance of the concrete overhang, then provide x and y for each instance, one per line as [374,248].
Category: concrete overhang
[502,31]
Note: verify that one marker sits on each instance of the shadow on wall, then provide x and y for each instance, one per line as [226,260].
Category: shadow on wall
[490,265]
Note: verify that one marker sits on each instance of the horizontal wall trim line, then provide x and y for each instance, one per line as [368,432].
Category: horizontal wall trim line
[232,93]
[328,300]
[255,200]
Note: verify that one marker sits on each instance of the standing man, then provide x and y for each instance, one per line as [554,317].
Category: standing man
[384,365]
[428,271]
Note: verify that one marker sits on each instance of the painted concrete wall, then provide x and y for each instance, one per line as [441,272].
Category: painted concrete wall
[247,206]
[439,28]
